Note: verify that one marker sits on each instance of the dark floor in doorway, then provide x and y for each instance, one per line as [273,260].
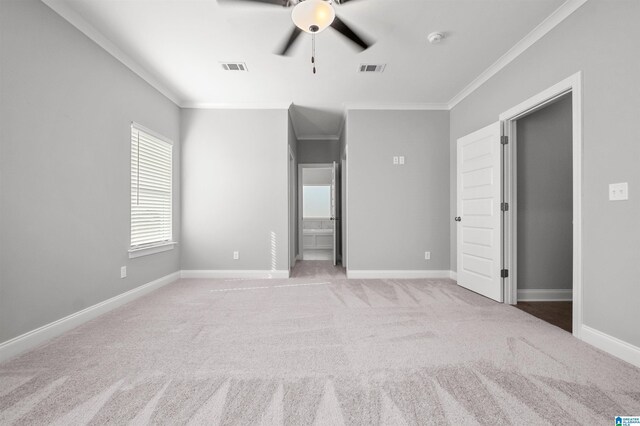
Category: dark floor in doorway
[559,314]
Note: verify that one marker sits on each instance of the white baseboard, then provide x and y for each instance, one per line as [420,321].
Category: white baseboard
[33,338]
[215,273]
[453,275]
[545,295]
[616,347]
[399,274]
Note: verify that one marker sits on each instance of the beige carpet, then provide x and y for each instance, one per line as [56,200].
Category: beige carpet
[316,351]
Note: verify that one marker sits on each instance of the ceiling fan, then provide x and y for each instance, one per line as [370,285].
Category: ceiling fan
[312,17]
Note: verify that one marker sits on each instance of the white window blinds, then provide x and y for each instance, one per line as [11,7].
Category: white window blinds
[151,198]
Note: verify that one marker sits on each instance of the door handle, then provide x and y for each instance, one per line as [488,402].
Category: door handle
[458,219]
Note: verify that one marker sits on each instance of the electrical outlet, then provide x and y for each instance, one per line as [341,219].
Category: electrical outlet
[619,191]
[236,255]
[427,255]
[402,160]
[123,272]
[395,160]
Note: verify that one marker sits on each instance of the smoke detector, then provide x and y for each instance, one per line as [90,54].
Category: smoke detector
[435,37]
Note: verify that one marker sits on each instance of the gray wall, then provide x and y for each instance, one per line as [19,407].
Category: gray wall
[66,108]
[545,198]
[396,213]
[310,152]
[235,189]
[316,176]
[611,101]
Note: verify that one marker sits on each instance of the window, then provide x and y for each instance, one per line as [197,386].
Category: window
[151,192]
[316,201]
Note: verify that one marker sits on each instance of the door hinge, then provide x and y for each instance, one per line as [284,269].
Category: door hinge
[504,273]
[504,140]
[504,207]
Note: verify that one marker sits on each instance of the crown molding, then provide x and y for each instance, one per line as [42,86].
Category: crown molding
[318,138]
[559,15]
[96,36]
[396,106]
[257,105]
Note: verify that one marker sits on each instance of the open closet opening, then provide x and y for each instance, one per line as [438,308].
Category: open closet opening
[542,211]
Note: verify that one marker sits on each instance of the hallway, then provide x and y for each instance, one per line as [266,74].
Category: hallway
[318,269]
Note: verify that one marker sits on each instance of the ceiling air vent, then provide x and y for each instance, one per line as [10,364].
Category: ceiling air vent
[235,66]
[371,67]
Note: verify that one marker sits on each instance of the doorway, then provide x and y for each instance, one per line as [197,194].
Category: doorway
[562,101]
[491,259]
[318,213]
[542,207]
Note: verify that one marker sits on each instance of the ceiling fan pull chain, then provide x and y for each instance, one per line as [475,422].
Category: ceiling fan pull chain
[313,52]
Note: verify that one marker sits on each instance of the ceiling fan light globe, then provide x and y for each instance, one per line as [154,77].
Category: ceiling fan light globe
[313,16]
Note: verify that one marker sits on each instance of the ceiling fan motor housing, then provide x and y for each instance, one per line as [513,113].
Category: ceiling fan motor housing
[313,16]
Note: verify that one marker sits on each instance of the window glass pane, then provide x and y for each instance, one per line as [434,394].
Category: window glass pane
[151,189]
[316,201]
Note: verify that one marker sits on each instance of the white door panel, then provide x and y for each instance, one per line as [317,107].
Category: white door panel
[479,227]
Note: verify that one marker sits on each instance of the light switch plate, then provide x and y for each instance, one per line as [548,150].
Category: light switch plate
[619,191]
[402,160]
[395,160]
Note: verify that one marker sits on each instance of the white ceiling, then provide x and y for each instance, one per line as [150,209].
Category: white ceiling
[178,46]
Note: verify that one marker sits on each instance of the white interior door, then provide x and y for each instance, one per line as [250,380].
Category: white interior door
[479,218]
[334,211]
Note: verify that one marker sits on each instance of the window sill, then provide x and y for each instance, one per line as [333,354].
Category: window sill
[145,251]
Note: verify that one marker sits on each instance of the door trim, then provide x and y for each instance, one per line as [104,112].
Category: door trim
[292,211]
[573,85]
[344,182]
[335,213]
[302,166]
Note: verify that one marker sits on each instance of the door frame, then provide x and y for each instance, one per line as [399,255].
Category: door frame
[335,212]
[573,85]
[293,255]
[344,194]
[300,185]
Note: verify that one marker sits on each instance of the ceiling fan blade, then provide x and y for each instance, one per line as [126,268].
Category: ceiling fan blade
[284,3]
[340,26]
[292,38]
